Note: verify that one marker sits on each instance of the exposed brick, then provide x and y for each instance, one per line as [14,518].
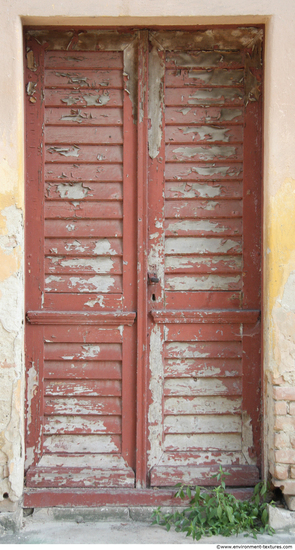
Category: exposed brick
[292,472]
[282,439]
[281,471]
[287,393]
[292,409]
[285,456]
[292,439]
[280,407]
[285,423]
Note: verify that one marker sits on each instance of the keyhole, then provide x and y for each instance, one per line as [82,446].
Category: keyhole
[153,297]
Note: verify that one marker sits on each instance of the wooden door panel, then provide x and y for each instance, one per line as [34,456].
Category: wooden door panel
[80,223]
[205,394]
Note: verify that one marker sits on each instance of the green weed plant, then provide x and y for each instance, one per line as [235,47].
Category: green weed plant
[218,512]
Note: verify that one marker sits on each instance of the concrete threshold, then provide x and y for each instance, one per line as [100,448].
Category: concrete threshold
[116,525]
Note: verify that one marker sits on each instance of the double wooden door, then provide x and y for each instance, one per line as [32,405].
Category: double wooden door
[143,183]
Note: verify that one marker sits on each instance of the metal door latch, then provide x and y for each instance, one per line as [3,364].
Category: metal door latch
[153,279]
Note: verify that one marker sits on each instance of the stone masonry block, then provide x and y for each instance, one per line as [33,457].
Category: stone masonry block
[282,439]
[285,423]
[287,393]
[285,456]
[292,472]
[292,409]
[280,407]
[280,471]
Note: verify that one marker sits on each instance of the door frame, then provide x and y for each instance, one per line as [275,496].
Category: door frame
[140,495]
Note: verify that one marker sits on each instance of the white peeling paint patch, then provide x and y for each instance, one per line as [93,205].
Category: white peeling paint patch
[96,284]
[52,279]
[99,265]
[196,225]
[219,94]
[206,153]
[208,133]
[183,349]
[155,413]
[247,438]
[195,245]
[86,460]
[74,246]
[208,171]
[99,300]
[103,246]
[90,351]
[72,191]
[230,262]
[203,190]
[97,99]
[204,282]
[32,387]
[72,151]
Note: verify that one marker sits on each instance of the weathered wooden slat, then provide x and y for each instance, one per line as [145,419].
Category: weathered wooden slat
[63,135]
[83,333]
[244,475]
[202,458]
[196,77]
[78,245]
[183,153]
[84,153]
[83,98]
[94,388]
[82,443]
[85,60]
[202,386]
[88,302]
[89,191]
[189,424]
[78,406]
[196,208]
[89,172]
[210,442]
[84,209]
[216,300]
[203,172]
[204,282]
[82,478]
[202,368]
[203,350]
[199,264]
[82,425]
[201,316]
[198,115]
[82,352]
[201,245]
[83,283]
[202,190]
[230,227]
[78,265]
[85,79]
[202,405]
[102,319]
[202,332]
[204,59]
[90,116]
[205,97]
[83,370]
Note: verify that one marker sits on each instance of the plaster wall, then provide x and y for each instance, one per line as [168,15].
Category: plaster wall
[279,205]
